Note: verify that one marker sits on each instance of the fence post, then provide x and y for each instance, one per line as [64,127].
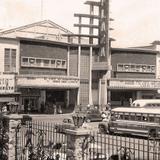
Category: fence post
[77,144]
[10,124]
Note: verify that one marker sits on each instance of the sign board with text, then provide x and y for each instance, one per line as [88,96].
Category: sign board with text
[133,84]
[7,84]
[48,82]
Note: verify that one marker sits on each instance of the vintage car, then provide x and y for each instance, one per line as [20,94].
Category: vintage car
[93,115]
[66,124]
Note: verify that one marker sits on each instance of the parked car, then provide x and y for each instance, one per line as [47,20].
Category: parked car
[66,124]
[93,115]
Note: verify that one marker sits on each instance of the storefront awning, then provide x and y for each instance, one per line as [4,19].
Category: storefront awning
[61,82]
[10,94]
[7,99]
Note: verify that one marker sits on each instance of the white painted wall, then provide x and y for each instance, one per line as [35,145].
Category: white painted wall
[8,43]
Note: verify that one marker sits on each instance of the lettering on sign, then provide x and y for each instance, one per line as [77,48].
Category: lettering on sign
[135,84]
[102,27]
[7,83]
[48,82]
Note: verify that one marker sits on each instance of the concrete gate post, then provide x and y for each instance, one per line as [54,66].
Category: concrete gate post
[76,144]
[10,123]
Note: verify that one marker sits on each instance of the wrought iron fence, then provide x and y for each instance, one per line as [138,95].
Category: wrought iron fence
[119,147]
[40,141]
[44,141]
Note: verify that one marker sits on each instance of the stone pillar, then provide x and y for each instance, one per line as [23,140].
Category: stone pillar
[76,140]
[11,122]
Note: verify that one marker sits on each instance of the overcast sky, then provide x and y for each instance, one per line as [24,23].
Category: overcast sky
[136,22]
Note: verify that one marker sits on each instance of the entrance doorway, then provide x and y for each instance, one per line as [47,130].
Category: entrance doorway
[55,96]
[121,98]
[55,101]
[65,99]
[30,104]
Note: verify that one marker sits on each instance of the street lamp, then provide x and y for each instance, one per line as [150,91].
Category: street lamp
[78,120]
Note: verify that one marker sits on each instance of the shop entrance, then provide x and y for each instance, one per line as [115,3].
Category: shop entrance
[55,101]
[55,96]
[30,104]
[65,101]
[122,98]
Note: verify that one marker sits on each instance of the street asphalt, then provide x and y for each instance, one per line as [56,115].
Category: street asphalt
[58,118]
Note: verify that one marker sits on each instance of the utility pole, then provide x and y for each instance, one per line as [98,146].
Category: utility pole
[41,9]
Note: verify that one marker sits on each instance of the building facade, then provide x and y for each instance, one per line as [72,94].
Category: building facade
[45,70]
[52,65]
[9,53]
[44,64]
[134,75]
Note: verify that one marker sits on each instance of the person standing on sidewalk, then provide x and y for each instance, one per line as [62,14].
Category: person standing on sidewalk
[54,108]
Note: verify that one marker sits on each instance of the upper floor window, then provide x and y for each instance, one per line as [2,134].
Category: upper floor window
[130,67]
[43,62]
[9,60]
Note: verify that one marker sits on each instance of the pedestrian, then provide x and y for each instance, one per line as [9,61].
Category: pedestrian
[96,107]
[88,107]
[42,107]
[108,106]
[28,136]
[59,109]
[54,108]
[4,109]
[104,116]
[130,101]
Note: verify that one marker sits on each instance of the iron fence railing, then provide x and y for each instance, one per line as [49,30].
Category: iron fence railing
[45,141]
[40,141]
[120,147]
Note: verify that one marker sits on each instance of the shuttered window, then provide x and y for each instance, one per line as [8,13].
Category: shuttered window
[9,60]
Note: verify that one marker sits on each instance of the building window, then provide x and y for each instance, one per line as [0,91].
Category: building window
[53,62]
[9,60]
[130,67]
[32,61]
[46,63]
[38,62]
[43,62]
[58,64]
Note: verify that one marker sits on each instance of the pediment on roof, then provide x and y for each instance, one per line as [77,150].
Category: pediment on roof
[44,30]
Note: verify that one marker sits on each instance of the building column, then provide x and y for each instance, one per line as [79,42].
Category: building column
[79,60]
[90,76]
[79,72]
[99,92]
[103,92]
[78,96]
[139,95]
[67,98]
[68,58]
[42,100]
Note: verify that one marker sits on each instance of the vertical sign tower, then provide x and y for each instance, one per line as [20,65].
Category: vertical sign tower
[103,29]
[96,40]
